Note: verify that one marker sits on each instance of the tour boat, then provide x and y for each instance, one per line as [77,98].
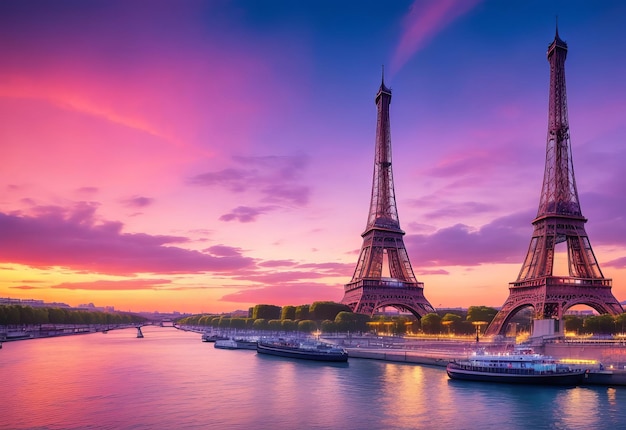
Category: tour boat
[225,344]
[514,368]
[231,343]
[306,350]
[246,343]
[209,337]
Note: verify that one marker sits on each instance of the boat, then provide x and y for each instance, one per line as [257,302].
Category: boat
[521,367]
[210,337]
[306,350]
[139,333]
[230,343]
[225,344]
[246,343]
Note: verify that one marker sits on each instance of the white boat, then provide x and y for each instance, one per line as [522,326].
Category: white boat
[231,343]
[514,368]
[225,344]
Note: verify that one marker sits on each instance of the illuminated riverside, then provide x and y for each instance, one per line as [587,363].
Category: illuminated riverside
[171,379]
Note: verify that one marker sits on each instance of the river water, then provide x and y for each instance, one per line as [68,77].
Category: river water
[170,379]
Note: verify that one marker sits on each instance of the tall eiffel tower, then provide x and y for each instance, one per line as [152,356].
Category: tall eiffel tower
[369,290]
[559,219]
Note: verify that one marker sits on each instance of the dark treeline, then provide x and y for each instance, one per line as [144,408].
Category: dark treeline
[330,317]
[27,315]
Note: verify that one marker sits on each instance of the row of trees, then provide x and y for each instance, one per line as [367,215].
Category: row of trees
[27,315]
[596,324]
[335,317]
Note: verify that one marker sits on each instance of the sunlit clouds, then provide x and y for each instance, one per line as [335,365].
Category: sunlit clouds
[209,156]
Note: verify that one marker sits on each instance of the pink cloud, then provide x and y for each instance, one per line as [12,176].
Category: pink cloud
[26,287]
[282,295]
[425,19]
[502,241]
[276,178]
[138,202]
[246,213]
[125,285]
[75,239]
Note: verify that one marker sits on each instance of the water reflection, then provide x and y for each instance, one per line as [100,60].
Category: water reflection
[170,379]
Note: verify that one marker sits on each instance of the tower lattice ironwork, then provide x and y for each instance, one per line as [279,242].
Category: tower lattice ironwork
[559,219]
[369,290]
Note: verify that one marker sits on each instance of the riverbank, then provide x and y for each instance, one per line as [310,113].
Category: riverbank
[10,334]
[594,376]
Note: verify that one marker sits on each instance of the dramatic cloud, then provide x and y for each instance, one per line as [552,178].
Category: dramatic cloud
[275,178]
[501,241]
[246,213]
[25,287]
[75,240]
[130,284]
[425,19]
[138,202]
[281,295]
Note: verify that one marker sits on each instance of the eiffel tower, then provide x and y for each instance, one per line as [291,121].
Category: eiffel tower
[369,290]
[559,219]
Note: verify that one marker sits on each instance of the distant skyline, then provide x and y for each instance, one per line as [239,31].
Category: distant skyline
[207,156]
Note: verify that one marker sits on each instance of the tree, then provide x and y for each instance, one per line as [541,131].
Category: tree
[431,323]
[260,324]
[302,312]
[268,312]
[573,323]
[328,326]
[307,326]
[481,313]
[321,311]
[452,322]
[289,325]
[275,325]
[288,313]
[224,322]
[349,321]
[599,324]
[238,323]
[620,323]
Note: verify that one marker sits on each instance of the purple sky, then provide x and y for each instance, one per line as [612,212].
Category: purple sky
[212,155]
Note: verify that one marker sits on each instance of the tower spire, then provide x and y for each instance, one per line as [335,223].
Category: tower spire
[559,219]
[373,285]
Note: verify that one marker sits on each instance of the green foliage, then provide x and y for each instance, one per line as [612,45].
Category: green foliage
[431,323]
[289,325]
[238,323]
[481,313]
[599,324]
[288,313]
[224,322]
[321,311]
[275,325]
[307,326]
[451,323]
[302,313]
[328,326]
[260,324]
[27,315]
[268,312]
[620,323]
[349,321]
[573,323]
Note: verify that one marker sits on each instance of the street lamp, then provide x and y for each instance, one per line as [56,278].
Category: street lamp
[477,324]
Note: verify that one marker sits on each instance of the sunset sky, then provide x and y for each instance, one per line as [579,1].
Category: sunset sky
[206,156]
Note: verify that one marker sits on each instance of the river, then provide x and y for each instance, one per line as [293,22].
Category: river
[170,379]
